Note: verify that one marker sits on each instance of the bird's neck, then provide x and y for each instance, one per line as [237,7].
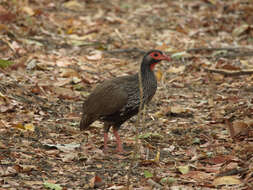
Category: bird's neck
[146,73]
[149,82]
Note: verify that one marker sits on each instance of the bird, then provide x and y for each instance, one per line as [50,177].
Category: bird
[116,100]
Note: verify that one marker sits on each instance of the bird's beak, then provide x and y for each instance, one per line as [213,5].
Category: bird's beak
[165,57]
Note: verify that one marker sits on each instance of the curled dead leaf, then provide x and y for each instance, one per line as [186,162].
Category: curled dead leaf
[95,55]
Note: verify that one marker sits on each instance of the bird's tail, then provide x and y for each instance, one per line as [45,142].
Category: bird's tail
[86,121]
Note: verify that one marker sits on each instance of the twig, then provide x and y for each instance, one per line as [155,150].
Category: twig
[137,126]
[230,129]
[236,54]
[229,73]
[235,49]
[130,50]
[229,52]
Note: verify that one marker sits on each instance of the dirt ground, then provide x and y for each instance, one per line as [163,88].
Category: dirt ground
[197,133]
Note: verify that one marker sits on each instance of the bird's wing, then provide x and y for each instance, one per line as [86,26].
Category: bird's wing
[107,98]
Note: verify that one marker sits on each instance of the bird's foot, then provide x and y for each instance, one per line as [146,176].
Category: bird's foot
[105,150]
[120,151]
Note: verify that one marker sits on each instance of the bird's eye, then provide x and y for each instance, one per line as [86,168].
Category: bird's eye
[156,54]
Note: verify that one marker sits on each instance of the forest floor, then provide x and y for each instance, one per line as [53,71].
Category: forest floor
[197,133]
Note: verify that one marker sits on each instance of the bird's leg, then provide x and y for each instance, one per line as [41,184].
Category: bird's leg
[106,130]
[119,143]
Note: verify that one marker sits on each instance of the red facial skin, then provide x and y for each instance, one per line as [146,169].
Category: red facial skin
[158,56]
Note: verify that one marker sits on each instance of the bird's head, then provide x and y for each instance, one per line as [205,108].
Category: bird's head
[153,57]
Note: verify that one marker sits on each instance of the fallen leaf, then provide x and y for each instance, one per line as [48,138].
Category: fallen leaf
[73,5]
[226,180]
[183,169]
[240,30]
[179,69]
[177,109]
[241,128]
[28,10]
[180,55]
[147,174]
[95,55]
[63,147]
[68,157]
[19,126]
[198,175]
[29,127]
[5,63]
[114,187]
[157,158]
[52,186]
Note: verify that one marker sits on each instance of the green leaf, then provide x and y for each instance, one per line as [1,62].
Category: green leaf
[171,180]
[147,174]
[5,63]
[150,135]
[178,55]
[209,154]
[196,140]
[78,87]
[52,186]
[167,180]
[184,169]
[144,136]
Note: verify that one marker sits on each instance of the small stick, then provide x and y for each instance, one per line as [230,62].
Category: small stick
[229,73]
[137,126]
[130,50]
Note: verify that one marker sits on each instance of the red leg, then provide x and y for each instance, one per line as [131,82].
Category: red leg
[105,141]
[119,144]
[106,130]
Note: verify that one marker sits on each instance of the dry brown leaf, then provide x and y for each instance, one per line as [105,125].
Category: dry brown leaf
[241,128]
[66,72]
[198,175]
[2,145]
[226,180]
[177,109]
[96,182]
[95,56]
[62,82]
[27,168]
[28,10]
[74,5]
[19,126]
[217,77]
[178,69]
[32,183]
[240,30]
[29,127]
[68,157]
